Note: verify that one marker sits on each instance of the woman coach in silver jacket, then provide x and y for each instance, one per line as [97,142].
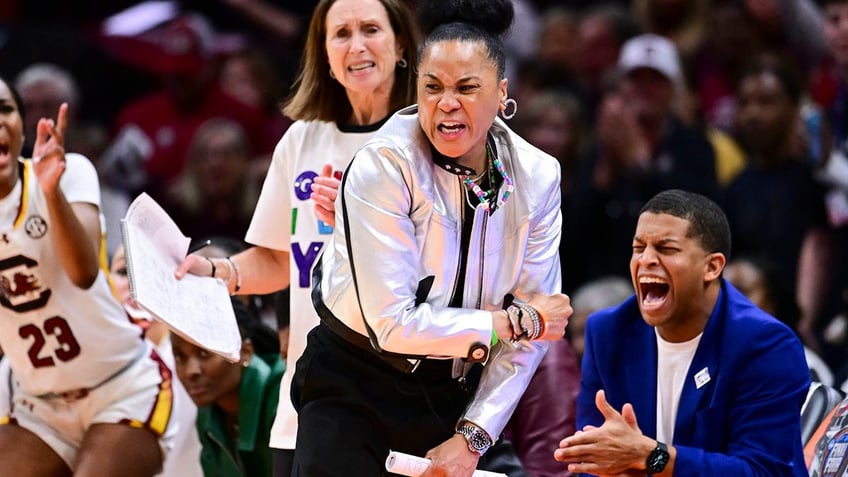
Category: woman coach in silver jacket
[445,246]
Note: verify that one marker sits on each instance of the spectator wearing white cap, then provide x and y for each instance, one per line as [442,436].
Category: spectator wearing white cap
[657,54]
[642,148]
[652,52]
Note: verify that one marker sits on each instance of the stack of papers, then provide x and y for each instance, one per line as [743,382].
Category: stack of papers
[196,308]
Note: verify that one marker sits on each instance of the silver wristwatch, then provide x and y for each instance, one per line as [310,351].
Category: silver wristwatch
[478,440]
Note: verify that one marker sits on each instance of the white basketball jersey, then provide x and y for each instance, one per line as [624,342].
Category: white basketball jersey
[57,336]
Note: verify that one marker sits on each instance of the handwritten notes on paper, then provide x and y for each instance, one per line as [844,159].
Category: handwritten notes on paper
[196,308]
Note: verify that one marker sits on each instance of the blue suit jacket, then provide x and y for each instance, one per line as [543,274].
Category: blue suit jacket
[744,421]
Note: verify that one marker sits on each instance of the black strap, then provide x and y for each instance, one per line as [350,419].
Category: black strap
[338,327]
[372,336]
[397,360]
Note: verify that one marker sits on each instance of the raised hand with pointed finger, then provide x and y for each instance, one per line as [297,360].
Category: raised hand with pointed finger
[48,153]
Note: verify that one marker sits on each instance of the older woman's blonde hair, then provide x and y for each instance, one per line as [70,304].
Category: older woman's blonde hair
[318,96]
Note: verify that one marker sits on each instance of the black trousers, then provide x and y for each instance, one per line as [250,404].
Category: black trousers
[282,460]
[353,408]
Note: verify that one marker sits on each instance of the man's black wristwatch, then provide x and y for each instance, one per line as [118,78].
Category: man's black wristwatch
[657,459]
[478,440]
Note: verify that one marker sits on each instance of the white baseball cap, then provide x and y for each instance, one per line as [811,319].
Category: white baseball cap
[651,51]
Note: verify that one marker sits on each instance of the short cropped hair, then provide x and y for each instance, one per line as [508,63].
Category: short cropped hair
[707,222]
[787,74]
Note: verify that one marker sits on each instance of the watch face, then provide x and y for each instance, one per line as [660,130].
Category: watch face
[657,460]
[479,440]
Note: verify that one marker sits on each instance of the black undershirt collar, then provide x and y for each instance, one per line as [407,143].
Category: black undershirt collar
[364,128]
[449,163]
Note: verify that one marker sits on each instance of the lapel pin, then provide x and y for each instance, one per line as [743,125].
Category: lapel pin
[702,378]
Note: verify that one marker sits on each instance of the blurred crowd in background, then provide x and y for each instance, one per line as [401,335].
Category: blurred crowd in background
[741,100]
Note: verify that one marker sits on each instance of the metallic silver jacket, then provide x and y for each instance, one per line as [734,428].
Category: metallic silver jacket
[404,215]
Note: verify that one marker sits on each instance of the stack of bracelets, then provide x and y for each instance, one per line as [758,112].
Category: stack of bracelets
[526,322]
[232,272]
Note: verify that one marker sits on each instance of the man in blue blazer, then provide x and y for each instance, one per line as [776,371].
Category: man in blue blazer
[716,383]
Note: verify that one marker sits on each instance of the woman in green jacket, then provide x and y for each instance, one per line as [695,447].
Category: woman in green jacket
[236,402]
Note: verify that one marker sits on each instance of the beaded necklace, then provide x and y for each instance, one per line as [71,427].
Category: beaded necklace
[477,182]
[483,197]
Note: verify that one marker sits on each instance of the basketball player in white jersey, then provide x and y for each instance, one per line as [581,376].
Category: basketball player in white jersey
[89,395]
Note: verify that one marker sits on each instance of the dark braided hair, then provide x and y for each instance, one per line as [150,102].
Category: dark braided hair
[17,97]
[265,340]
[467,20]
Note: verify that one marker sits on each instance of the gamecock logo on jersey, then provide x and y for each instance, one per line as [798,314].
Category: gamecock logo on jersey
[20,288]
